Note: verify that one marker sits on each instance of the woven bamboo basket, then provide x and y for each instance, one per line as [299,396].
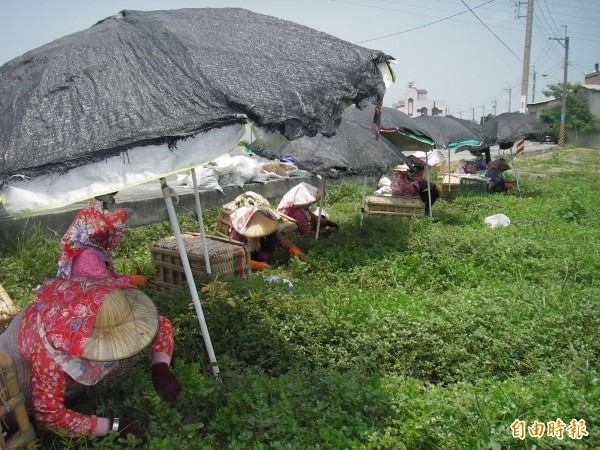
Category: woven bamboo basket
[13,403]
[226,257]
[7,309]
[287,226]
[394,206]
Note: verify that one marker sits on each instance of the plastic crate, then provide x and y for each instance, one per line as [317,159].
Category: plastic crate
[474,185]
[287,226]
[226,257]
[394,206]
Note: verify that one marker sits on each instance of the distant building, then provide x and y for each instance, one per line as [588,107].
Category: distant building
[594,77]
[415,103]
[590,91]
[533,109]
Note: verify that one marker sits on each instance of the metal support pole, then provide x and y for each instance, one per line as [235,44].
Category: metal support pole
[320,206]
[449,186]
[167,192]
[362,203]
[428,182]
[201,224]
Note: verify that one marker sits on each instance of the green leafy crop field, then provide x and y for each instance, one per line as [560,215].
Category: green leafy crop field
[430,333]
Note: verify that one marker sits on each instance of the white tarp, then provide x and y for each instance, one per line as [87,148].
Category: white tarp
[138,166]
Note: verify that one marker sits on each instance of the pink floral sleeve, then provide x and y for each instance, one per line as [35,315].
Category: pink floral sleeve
[164,340]
[48,385]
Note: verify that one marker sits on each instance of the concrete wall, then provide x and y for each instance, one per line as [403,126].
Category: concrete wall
[591,94]
[149,206]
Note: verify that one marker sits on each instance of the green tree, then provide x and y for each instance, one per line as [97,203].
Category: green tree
[578,116]
[485,118]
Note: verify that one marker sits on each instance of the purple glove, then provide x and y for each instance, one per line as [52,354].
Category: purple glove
[165,384]
[126,427]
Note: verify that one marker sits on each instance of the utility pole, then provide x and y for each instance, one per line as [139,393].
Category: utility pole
[473,110]
[482,115]
[509,90]
[525,77]
[563,112]
[494,102]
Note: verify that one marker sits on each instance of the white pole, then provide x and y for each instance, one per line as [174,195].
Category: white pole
[201,223]
[362,204]
[320,206]
[448,171]
[167,192]
[428,182]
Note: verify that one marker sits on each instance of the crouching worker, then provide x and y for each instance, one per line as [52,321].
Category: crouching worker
[87,244]
[257,228]
[495,172]
[409,182]
[80,335]
[296,203]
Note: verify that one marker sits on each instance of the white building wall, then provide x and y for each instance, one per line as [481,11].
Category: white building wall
[416,99]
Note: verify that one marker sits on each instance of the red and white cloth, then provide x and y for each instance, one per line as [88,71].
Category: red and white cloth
[240,218]
[406,184]
[303,194]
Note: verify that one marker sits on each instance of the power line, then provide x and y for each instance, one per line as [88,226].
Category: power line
[556,27]
[488,28]
[420,26]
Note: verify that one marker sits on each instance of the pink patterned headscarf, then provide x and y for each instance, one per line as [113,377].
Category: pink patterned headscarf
[93,227]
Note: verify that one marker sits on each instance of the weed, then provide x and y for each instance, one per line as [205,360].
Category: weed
[400,334]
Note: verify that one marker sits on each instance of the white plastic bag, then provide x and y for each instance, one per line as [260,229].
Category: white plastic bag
[323,213]
[206,178]
[383,182]
[497,220]
[384,191]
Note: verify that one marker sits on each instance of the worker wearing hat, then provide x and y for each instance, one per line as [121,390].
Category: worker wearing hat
[405,182]
[256,227]
[83,333]
[408,182]
[495,173]
[295,204]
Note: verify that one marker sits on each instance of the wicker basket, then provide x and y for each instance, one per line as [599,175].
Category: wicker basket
[474,185]
[448,191]
[394,206]
[7,309]
[13,402]
[287,226]
[227,257]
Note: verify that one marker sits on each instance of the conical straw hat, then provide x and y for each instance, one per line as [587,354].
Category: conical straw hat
[499,164]
[254,221]
[302,194]
[125,325]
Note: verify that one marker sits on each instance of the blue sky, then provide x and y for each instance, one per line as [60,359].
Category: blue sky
[471,59]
